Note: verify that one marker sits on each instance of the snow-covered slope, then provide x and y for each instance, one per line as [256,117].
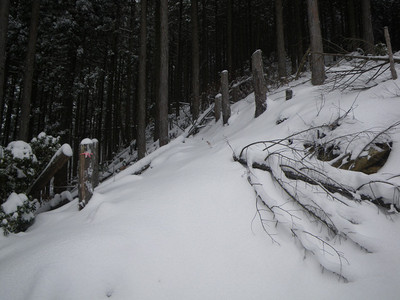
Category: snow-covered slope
[187,227]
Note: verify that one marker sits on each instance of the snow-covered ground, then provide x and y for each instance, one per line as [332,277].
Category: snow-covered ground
[187,227]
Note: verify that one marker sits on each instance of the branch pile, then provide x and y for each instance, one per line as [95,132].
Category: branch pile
[311,198]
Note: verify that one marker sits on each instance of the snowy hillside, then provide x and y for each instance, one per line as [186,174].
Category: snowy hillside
[192,227]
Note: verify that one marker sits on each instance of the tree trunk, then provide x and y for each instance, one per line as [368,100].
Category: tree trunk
[229,36]
[163,89]
[260,89]
[280,44]
[4,11]
[351,20]
[141,110]
[226,106]
[368,34]
[156,69]
[129,83]
[28,74]
[195,62]
[317,59]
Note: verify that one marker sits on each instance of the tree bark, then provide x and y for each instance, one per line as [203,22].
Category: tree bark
[195,62]
[226,106]
[163,89]
[280,44]
[229,36]
[368,34]
[260,90]
[141,111]
[28,74]
[130,82]
[4,12]
[317,60]
[351,20]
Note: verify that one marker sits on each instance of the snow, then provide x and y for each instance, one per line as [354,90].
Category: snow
[86,141]
[187,227]
[12,202]
[66,150]
[21,150]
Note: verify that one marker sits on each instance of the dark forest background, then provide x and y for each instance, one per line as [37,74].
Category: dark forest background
[86,60]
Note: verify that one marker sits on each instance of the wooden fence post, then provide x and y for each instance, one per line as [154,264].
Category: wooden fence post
[96,162]
[86,171]
[260,89]
[226,106]
[289,94]
[390,52]
[217,107]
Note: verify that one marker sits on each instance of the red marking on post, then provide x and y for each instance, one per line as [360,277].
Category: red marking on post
[87,154]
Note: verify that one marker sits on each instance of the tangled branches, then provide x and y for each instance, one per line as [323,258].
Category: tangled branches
[313,200]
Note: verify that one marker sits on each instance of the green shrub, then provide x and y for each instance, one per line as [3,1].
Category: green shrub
[20,164]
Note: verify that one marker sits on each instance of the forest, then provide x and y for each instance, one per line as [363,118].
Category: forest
[119,71]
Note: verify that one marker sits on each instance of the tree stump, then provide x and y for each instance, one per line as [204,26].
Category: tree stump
[218,107]
[226,106]
[260,89]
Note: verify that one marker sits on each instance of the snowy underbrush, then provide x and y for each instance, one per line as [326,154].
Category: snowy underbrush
[333,180]
[20,164]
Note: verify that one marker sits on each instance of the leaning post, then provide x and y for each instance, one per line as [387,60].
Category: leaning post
[85,172]
[390,52]
[226,106]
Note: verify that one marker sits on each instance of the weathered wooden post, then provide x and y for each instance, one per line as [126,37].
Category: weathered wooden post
[96,162]
[289,94]
[86,171]
[390,52]
[226,106]
[217,107]
[260,88]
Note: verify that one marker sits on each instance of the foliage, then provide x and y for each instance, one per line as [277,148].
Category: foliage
[20,164]
[21,214]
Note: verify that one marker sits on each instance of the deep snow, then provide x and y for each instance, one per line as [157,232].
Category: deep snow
[187,228]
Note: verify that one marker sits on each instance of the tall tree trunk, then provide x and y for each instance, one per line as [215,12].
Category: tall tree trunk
[141,110]
[129,94]
[28,74]
[179,69]
[280,44]
[157,53]
[163,89]
[368,34]
[195,62]
[317,59]
[351,22]
[4,11]
[229,36]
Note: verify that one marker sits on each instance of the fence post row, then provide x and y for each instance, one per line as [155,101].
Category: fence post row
[88,172]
